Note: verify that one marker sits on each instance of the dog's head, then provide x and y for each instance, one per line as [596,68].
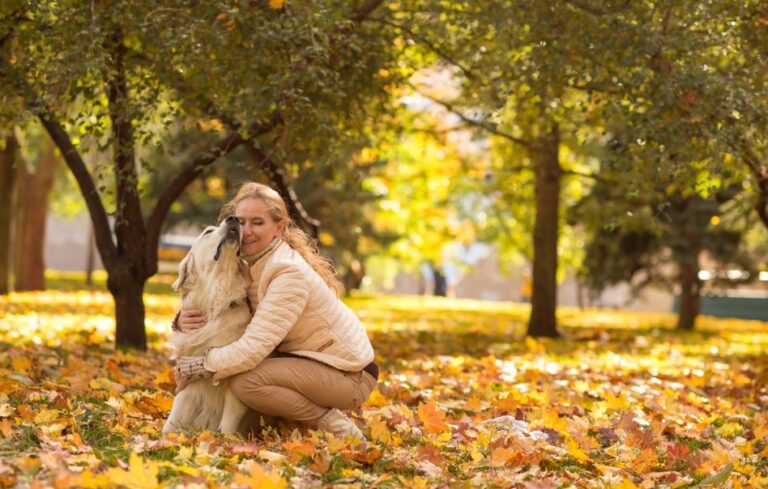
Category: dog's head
[216,249]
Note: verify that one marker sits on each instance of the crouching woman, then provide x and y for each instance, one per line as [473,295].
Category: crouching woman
[305,356]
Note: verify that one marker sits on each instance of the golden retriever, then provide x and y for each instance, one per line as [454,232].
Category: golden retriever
[214,279]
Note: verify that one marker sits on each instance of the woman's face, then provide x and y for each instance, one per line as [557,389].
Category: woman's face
[258,227]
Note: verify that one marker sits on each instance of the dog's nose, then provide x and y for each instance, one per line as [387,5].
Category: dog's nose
[231,220]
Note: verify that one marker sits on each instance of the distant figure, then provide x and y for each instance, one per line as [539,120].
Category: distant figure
[526,287]
[441,285]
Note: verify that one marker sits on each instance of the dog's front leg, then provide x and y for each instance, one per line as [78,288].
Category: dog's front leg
[233,413]
[176,420]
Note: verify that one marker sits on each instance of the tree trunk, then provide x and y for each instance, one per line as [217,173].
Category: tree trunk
[30,274]
[19,218]
[7,192]
[690,293]
[544,153]
[128,293]
[90,257]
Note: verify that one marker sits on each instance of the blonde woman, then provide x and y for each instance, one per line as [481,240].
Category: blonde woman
[305,355]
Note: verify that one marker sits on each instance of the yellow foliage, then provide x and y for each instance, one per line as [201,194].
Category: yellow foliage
[259,479]
[140,474]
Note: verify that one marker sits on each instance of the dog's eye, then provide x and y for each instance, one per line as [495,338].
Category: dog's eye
[208,231]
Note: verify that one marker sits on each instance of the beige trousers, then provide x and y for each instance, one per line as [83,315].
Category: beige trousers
[300,389]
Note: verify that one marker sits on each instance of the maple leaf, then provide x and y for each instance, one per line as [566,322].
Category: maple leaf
[645,460]
[432,417]
[298,449]
[502,455]
[677,452]
[276,4]
[380,432]
[259,479]
[138,476]
[321,462]
[575,451]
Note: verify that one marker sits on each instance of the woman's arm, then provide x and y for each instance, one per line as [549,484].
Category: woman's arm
[282,305]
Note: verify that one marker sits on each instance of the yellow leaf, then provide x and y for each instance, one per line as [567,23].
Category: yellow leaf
[552,420]
[380,432]
[432,417]
[5,410]
[533,345]
[88,480]
[138,475]
[258,479]
[616,403]
[575,451]
[276,4]
[729,429]
[376,400]
[46,416]
[21,365]
[626,484]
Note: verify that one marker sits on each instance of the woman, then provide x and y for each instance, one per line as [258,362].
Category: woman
[305,355]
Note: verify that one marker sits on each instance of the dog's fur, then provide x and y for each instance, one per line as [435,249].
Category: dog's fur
[214,279]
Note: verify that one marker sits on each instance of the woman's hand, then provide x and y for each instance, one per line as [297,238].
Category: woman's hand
[190,320]
[189,369]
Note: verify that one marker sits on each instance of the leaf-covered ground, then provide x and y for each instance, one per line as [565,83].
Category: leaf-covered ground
[621,402]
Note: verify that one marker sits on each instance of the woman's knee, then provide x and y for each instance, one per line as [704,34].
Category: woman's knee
[244,384]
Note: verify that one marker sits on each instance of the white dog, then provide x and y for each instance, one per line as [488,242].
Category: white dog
[214,279]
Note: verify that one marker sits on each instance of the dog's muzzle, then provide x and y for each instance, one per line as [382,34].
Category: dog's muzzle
[231,235]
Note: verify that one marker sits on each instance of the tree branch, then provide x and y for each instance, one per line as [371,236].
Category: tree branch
[366,9]
[38,106]
[191,171]
[102,231]
[277,175]
[467,72]
[587,7]
[760,173]
[481,124]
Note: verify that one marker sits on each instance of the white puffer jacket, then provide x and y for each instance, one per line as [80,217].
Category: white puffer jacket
[295,312]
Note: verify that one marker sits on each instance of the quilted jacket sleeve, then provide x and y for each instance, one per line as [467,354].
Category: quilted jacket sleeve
[283,303]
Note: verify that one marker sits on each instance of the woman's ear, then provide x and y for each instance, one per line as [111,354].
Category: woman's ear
[185,269]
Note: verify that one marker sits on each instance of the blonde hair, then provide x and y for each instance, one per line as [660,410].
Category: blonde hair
[292,234]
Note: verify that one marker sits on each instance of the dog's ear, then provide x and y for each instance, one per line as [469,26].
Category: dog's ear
[185,269]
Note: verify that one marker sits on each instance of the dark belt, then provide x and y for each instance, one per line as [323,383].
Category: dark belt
[373,369]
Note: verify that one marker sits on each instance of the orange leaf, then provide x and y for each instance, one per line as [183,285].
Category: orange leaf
[6,428]
[299,449]
[432,417]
